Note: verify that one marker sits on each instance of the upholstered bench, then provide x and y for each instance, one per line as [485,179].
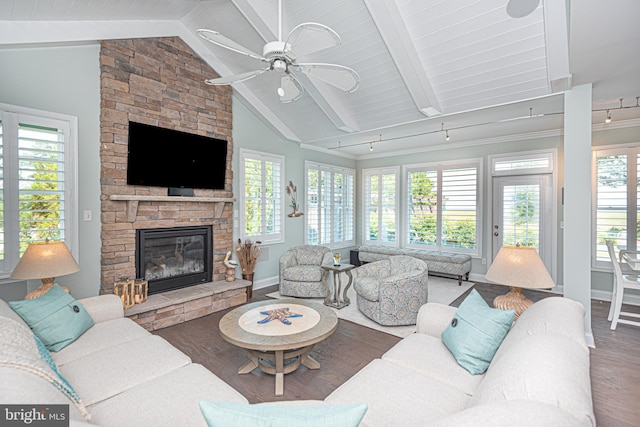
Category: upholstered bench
[439,263]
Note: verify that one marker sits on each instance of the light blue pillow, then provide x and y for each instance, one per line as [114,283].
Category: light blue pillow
[55,317]
[476,332]
[225,414]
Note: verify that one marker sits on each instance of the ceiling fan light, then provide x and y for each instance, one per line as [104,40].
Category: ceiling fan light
[280,91]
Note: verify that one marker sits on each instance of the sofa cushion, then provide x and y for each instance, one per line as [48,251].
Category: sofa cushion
[549,369]
[429,356]
[21,363]
[100,336]
[399,396]
[475,332]
[7,312]
[154,402]
[224,414]
[111,371]
[520,413]
[553,315]
[303,273]
[56,317]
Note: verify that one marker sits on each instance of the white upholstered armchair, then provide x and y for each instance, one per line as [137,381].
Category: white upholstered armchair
[390,292]
[300,272]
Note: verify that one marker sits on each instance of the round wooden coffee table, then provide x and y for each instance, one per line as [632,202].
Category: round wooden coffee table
[275,347]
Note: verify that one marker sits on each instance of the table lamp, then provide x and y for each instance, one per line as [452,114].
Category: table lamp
[45,261]
[518,267]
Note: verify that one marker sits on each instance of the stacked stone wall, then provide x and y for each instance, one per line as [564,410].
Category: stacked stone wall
[157,81]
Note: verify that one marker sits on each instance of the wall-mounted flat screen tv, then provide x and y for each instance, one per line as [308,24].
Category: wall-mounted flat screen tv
[160,157]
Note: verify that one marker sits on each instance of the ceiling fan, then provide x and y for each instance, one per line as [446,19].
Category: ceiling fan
[281,56]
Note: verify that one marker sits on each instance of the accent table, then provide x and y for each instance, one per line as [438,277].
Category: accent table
[334,301]
[274,347]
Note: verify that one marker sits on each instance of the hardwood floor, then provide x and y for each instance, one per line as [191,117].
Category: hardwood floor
[615,362]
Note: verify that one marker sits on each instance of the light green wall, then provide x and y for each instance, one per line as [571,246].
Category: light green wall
[250,133]
[64,80]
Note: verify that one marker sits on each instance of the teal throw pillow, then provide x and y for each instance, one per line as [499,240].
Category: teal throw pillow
[476,332]
[55,317]
[225,414]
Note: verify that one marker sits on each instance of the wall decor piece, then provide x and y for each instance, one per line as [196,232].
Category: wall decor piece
[292,191]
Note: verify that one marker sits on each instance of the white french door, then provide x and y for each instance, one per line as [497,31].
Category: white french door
[522,214]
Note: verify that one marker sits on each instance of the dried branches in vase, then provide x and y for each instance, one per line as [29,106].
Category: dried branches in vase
[292,191]
[248,253]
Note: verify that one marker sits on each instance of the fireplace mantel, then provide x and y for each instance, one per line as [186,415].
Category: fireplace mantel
[132,202]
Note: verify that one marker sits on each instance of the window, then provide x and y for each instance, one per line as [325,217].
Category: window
[443,207]
[37,181]
[261,200]
[615,211]
[381,206]
[330,207]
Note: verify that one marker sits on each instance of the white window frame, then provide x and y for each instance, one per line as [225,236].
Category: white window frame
[266,239]
[321,167]
[439,167]
[365,217]
[11,116]
[633,150]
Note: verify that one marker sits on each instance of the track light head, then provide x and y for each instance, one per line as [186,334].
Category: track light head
[447,137]
[608,118]
[370,146]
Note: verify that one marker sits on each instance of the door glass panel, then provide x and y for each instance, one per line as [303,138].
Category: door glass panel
[521,215]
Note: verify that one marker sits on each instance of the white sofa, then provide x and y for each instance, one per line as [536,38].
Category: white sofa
[538,377]
[124,375]
[128,377]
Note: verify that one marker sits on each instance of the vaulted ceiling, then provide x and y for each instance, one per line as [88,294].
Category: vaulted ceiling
[466,68]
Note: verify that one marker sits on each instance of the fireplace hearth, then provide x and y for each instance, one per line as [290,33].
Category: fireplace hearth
[173,258]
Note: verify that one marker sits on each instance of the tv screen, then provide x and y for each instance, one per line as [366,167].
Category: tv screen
[161,157]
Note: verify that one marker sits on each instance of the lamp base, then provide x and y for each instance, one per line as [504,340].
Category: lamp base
[514,300]
[47,283]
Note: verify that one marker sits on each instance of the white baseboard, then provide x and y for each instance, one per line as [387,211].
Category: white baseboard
[263,283]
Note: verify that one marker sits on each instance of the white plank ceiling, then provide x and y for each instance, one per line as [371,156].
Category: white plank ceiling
[426,66]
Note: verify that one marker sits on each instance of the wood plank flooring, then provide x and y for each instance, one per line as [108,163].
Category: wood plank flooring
[615,362]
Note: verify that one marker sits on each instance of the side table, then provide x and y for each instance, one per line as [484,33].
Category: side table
[334,300]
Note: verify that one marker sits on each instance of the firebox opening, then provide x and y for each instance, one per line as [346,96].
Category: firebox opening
[174,258]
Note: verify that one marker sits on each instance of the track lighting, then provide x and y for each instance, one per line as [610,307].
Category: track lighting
[608,119]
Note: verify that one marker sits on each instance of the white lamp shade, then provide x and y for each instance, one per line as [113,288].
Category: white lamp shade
[521,267]
[44,260]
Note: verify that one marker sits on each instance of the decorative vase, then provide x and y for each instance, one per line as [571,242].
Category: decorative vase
[249,277]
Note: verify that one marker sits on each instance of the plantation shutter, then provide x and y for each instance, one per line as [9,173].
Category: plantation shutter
[41,184]
[422,187]
[381,203]
[330,205]
[262,196]
[611,214]
[459,207]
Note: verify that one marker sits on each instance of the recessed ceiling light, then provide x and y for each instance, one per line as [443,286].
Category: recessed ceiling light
[521,8]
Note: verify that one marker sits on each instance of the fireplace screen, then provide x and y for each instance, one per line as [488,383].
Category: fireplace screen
[175,257]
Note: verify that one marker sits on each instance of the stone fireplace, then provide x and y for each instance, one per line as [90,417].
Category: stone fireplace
[160,82]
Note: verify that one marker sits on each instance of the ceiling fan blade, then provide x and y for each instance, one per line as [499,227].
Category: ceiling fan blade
[222,41]
[235,78]
[336,75]
[290,89]
[311,37]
